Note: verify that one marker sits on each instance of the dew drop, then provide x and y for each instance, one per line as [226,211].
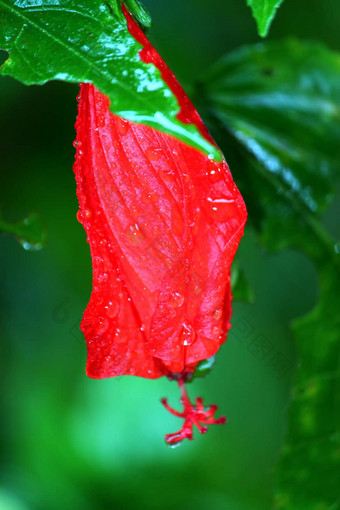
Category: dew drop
[217,314]
[216,331]
[153,153]
[122,126]
[112,309]
[176,300]
[134,234]
[151,197]
[119,337]
[174,445]
[103,325]
[84,214]
[215,174]
[221,208]
[103,277]
[188,334]
[30,246]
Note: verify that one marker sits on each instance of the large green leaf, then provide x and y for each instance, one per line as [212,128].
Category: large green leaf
[276,109]
[264,12]
[281,101]
[88,41]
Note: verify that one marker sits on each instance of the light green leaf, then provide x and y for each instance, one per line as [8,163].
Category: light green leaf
[88,41]
[276,109]
[203,368]
[29,231]
[264,12]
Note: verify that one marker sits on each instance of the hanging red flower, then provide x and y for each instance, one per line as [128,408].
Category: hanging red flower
[163,222]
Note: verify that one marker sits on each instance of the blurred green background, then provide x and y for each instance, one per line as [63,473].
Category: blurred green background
[71,442]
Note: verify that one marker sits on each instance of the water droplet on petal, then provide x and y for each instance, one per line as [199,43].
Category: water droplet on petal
[221,208]
[153,153]
[216,331]
[103,277]
[84,214]
[215,174]
[217,314]
[103,326]
[176,300]
[122,126]
[188,334]
[112,309]
[134,233]
[120,337]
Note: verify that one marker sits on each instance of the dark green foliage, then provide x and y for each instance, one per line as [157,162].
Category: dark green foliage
[275,110]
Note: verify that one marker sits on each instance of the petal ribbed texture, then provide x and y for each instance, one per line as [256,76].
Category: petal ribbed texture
[163,222]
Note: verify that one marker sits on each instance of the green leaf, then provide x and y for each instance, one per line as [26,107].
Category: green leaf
[305,475]
[89,42]
[139,12]
[281,101]
[203,368]
[264,12]
[29,231]
[276,109]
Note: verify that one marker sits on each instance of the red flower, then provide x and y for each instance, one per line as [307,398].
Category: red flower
[163,222]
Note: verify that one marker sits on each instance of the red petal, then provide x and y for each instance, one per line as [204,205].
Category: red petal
[163,222]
